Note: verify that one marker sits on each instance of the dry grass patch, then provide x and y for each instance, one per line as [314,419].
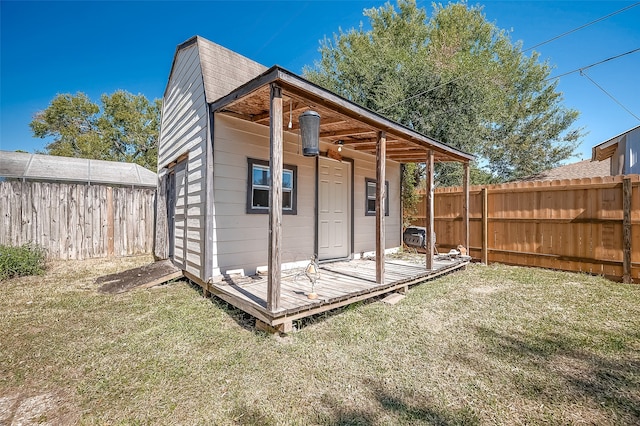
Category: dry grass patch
[489,345]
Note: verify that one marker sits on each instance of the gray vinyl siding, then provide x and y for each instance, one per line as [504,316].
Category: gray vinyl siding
[241,239]
[365,226]
[202,71]
[184,130]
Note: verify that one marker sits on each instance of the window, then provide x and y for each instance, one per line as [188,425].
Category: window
[258,187]
[370,208]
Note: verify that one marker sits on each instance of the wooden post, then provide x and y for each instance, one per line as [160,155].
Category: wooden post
[429,210]
[381,158]
[465,207]
[275,206]
[485,226]
[110,224]
[626,230]
[161,227]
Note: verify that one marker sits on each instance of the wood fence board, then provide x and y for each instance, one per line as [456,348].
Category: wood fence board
[71,221]
[573,225]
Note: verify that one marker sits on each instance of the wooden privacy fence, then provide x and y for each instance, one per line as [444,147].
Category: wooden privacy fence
[590,225]
[77,221]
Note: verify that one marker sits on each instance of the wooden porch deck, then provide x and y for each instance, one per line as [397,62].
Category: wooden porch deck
[340,283]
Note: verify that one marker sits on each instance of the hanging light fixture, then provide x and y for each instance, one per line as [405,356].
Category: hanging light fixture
[340,144]
[310,133]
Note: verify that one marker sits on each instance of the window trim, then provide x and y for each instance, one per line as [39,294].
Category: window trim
[368,212]
[250,209]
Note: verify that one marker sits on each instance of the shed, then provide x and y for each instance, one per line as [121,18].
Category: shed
[237,196]
[76,208]
[50,168]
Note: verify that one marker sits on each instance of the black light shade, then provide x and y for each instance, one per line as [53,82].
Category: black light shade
[310,133]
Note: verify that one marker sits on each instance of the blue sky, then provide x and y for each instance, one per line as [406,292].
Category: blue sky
[98,47]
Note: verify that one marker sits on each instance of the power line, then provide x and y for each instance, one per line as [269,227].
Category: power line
[582,26]
[609,94]
[594,64]
[530,48]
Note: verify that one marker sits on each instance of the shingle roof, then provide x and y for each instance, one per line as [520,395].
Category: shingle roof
[52,168]
[579,170]
[223,70]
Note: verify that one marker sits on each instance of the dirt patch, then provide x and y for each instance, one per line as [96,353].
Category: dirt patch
[143,277]
[42,409]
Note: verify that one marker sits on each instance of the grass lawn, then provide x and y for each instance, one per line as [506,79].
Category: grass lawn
[489,345]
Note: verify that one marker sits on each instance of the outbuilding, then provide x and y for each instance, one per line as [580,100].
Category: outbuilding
[237,196]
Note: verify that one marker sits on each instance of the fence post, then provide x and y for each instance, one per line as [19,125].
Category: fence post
[626,230]
[110,224]
[485,226]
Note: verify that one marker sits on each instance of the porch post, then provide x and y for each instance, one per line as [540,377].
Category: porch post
[465,207]
[275,201]
[381,157]
[429,210]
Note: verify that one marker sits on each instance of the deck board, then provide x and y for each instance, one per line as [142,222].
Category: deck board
[339,283]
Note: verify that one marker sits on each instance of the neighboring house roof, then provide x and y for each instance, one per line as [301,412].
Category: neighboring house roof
[22,165]
[607,148]
[223,70]
[579,170]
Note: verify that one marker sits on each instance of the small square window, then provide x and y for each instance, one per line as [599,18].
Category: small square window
[370,208]
[258,187]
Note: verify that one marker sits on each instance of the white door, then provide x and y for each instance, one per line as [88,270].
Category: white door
[334,228]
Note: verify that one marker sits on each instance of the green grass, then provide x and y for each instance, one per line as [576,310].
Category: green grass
[489,345]
[28,259]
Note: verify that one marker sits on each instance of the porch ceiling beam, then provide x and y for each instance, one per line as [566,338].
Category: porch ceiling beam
[371,143]
[381,160]
[414,157]
[347,132]
[398,147]
[295,109]
[275,206]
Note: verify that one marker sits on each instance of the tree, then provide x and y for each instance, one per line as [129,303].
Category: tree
[457,78]
[125,128]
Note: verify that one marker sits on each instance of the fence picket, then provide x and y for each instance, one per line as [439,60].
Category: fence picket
[573,225]
[71,221]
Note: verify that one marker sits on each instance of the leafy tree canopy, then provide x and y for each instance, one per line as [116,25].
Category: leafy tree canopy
[457,78]
[123,128]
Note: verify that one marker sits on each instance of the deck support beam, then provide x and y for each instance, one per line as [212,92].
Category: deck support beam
[275,206]
[429,210]
[465,206]
[381,159]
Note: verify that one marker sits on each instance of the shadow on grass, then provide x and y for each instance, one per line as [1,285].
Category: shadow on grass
[393,409]
[610,383]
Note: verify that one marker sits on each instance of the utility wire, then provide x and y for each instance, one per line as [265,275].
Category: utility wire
[529,48]
[594,64]
[608,94]
[582,26]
